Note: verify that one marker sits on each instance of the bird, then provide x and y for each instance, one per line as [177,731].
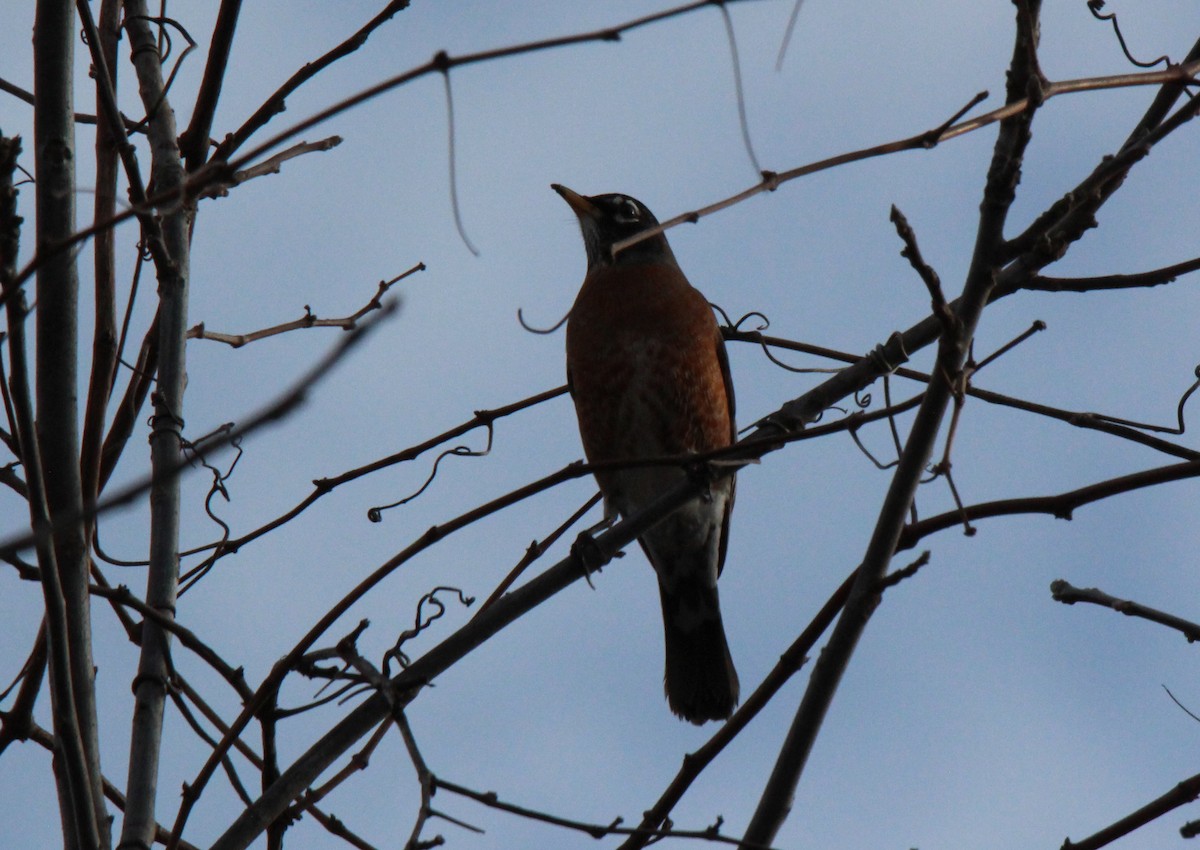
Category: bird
[649,376]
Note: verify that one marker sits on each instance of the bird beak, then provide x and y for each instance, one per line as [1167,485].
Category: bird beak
[583,208]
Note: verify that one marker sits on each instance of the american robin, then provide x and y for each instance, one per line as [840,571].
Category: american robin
[648,372]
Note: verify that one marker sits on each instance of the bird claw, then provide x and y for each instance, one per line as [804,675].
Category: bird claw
[585,550]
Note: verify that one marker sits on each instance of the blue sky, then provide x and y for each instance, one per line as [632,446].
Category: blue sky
[977,711]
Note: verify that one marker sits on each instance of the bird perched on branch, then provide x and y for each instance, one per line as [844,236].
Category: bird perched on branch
[647,370]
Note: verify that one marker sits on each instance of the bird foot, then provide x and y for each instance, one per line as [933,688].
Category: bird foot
[585,550]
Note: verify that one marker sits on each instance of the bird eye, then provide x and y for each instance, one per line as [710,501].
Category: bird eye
[630,210]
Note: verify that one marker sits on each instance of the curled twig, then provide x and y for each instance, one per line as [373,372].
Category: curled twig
[543,331]
[165,52]
[442,63]
[855,421]
[1180,426]
[375,514]
[1094,6]
[421,622]
[737,85]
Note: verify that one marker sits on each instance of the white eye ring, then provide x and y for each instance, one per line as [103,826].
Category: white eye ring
[630,210]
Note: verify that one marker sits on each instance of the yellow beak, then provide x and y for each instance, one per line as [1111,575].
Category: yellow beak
[580,204]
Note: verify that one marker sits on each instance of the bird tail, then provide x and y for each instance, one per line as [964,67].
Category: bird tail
[700,680]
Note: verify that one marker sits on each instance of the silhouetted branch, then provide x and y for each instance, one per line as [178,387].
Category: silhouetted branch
[1154,277]
[790,661]
[594,830]
[1061,506]
[277,102]
[536,549]
[102,40]
[172,266]
[57,414]
[427,783]
[958,330]
[912,253]
[332,824]
[1182,794]
[16,723]
[273,412]
[45,739]
[193,144]
[323,486]
[271,165]
[308,320]
[80,117]
[1068,594]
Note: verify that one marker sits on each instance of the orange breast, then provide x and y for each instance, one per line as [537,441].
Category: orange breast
[644,357]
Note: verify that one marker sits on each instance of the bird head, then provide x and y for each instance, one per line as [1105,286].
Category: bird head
[606,220]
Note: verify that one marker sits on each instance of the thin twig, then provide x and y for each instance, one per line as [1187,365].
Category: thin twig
[1182,794]
[271,165]
[273,412]
[324,486]
[737,86]
[1068,594]
[308,320]
[790,661]
[1061,506]
[594,830]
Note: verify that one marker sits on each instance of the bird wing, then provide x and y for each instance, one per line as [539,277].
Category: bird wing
[727,376]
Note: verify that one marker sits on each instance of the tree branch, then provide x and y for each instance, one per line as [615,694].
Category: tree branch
[776,800]
[1068,594]
[57,393]
[150,684]
[193,144]
[1061,506]
[1182,794]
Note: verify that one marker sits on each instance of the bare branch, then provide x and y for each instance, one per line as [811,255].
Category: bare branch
[80,117]
[172,264]
[277,102]
[45,739]
[271,165]
[309,320]
[279,409]
[933,283]
[1155,277]
[324,486]
[1061,506]
[425,779]
[790,661]
[1068,594]
[332,824]
[193,144]
[1182,794]
[103,41]
[594,830]
[776,800]
[218,170]
[57,440]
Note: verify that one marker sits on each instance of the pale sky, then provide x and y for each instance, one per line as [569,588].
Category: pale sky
[977,712]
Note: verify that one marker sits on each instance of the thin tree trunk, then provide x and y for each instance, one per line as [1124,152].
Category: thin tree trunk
[138,829]
[57,374]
